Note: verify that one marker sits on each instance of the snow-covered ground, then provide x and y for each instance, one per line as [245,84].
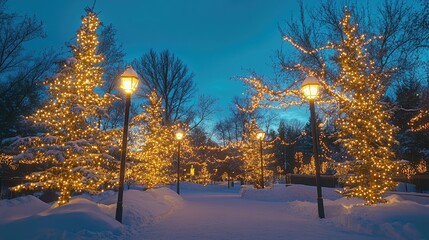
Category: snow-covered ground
[216,212]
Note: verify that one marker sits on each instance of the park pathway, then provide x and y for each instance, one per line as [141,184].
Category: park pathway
[225,215]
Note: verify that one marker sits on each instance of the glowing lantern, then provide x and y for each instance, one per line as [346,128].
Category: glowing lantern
[179,134]
[310,87]
[260,134]
[129,80]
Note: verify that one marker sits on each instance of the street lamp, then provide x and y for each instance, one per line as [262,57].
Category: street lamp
[129,82]
[179,136]
[260,136]
[310,89]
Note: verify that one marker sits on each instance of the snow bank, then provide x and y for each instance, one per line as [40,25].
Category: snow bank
[398,219]
[80,218]
[93,217]
[145,208]
[21,207]
[85,217]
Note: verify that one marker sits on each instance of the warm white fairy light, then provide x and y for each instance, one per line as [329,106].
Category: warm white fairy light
[74,151]
[249,151]
[153,146]
[364,126]
[365,131]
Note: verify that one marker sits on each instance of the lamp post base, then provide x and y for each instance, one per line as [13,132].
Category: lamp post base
[320,207]
[119,213]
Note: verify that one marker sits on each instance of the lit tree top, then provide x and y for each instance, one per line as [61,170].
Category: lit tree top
[73,106]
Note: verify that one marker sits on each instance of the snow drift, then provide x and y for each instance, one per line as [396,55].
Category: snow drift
[398,219]
[85,217]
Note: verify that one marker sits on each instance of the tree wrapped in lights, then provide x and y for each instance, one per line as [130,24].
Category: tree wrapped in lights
[309,168]
[353,97]
[154,146]
[249,151]
[73,152]
[365,131]
[299,162]
[204,155]
[203,176]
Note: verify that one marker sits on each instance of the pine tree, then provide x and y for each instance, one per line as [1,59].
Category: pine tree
[249,149]
[299,163]
[204,177]
[204,154]
[410,145]
[153,157]
[73,151]
[407,99]
[364,125]
[309,168]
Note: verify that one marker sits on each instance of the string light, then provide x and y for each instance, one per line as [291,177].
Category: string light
[408,170]
[420,122]
[364,126]
[74,153]
[153,148]
[363,123]
[422,166]
[307,169]
[248,149]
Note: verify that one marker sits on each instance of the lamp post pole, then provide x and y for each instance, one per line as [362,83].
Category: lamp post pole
[129,81]
[178,169]
[262,164]
[316,159]
[310,89]
[179,134]
[260,134]
[123,156]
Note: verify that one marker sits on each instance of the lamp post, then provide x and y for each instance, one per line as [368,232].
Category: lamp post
[260,136]
[129,81]
[310,89]
[179,136]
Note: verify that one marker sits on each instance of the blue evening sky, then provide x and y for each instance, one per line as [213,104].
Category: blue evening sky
[217,39]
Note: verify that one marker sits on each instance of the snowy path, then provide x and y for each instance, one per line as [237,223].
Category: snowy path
[211,215]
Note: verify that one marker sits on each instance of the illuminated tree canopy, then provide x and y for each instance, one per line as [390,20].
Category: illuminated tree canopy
[249,150]
[365,131]
[153,148]
[354,100]
[73,152]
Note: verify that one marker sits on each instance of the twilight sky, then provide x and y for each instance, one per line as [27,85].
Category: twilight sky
[216,39]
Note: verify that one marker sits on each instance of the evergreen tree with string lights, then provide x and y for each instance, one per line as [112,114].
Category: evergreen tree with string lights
[154,145]
[365,131]
[204,177]
[352,94]
[73,152]
[249,151]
